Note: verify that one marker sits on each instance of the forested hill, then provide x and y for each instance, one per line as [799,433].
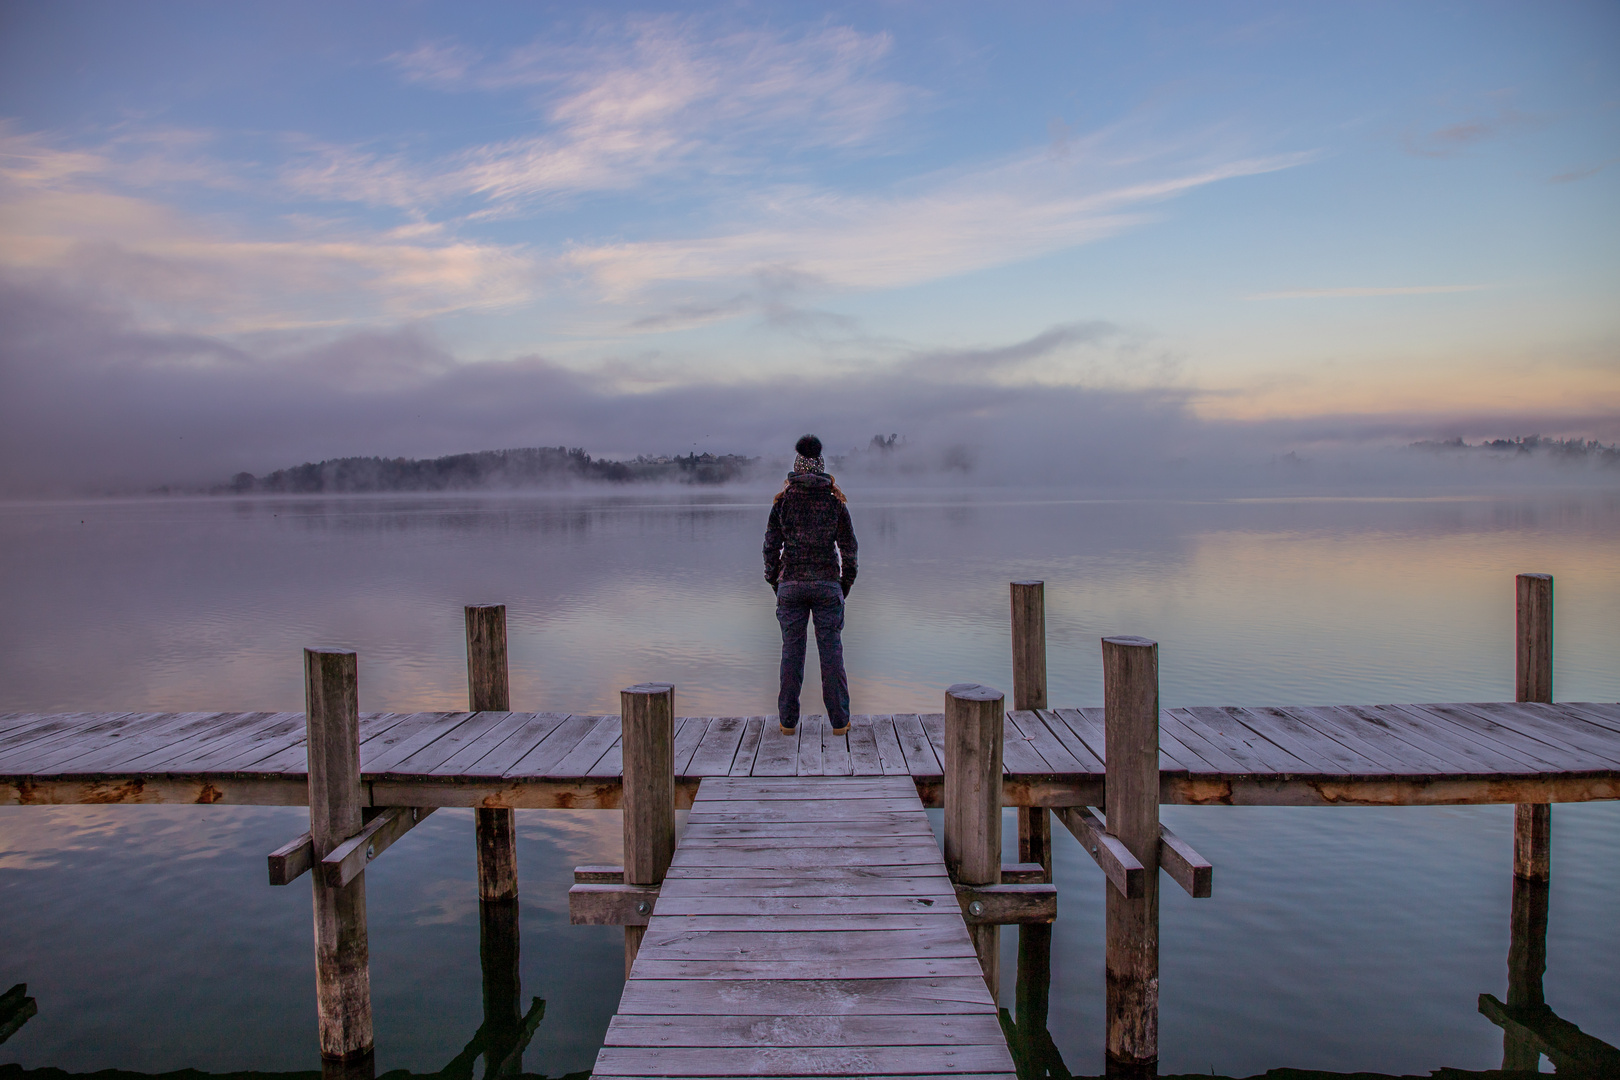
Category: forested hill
[532,467]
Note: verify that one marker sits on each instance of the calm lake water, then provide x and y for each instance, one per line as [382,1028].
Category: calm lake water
[1338,939]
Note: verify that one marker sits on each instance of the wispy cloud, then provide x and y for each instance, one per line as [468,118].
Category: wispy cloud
[1366,290]
[653,98]
[1581,174]
[1008,211]
[1497,117]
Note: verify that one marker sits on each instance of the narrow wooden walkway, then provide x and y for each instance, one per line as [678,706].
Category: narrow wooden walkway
[1494,752]
[806,928]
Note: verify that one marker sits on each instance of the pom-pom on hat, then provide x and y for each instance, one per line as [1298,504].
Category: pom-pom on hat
[808,446]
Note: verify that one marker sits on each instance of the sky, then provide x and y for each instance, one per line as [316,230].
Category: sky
[241,236]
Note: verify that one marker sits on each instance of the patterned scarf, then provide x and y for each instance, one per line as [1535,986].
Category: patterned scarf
[802,464]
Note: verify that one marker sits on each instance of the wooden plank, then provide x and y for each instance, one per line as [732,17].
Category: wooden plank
[1185,866]
[921,760]
[814,788]
[554,747]
[689,732]
[748,747]
[604,732]
[226,740]
[890,754]
[1529,755]
[1222,727]
[828,840]
[1464,757]
[533,729]
[807,923]
[1190,747]
[829,968]
[778,753]
[773,905]
[1303,741]
[421,730]
[718,747]
[1559,729]
[75,733]
[813,729]
[786,1061]
[1374,741]
[289,861]
[346,861]
[789,812]
[767,882]
[788,859]
[1026,726]
[819,997]
[426,759]
[776,945]
[835,759]
[42,726]
[611,904]
[611,763]
[477,740]
[800,1030]
[1605,716]
[159,731]
[900,826]
[1007,904]
[1086,761]
[1018,756]
[1118,865]
[281,731]
[933,725]
[863,749]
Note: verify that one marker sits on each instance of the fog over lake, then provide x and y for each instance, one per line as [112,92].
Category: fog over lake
[152,943]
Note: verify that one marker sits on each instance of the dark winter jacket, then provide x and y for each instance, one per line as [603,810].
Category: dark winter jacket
[809,534]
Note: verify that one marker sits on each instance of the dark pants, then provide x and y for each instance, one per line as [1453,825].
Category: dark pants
[796,601]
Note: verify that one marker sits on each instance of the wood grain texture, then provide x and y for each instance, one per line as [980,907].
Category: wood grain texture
[342,959]
[806,927]
[1131,701]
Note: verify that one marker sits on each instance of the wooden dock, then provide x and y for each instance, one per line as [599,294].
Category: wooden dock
[806,924]
[1493,752]
[806,927]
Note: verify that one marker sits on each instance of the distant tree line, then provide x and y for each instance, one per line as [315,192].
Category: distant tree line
[1560,449]
[531,467]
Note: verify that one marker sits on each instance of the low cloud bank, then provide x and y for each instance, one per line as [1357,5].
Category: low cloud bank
[90,403]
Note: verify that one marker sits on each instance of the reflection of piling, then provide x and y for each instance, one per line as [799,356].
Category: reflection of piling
[1527,963]
[498,954]
[342,975]
[1029,692]
[488,690]
[974,719]
[648,714]
[1131,704]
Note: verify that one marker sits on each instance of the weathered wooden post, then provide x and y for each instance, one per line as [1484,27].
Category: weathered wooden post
[648,715]
[489,691]
[342,971]
[974,720]
[1533,676]
[1029,692]
[1131,741]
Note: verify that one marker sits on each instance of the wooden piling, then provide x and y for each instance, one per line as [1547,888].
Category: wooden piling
[1029,692]
[342,972]
[1533,681]
[1131,738]
[488,690]
[974,719]
[648,714]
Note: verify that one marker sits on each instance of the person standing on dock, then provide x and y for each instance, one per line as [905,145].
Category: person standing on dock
[810,562]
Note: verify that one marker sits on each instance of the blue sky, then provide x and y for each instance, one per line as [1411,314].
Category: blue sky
[1363,221]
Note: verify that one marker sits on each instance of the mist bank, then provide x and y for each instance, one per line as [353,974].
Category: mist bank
[92,403]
